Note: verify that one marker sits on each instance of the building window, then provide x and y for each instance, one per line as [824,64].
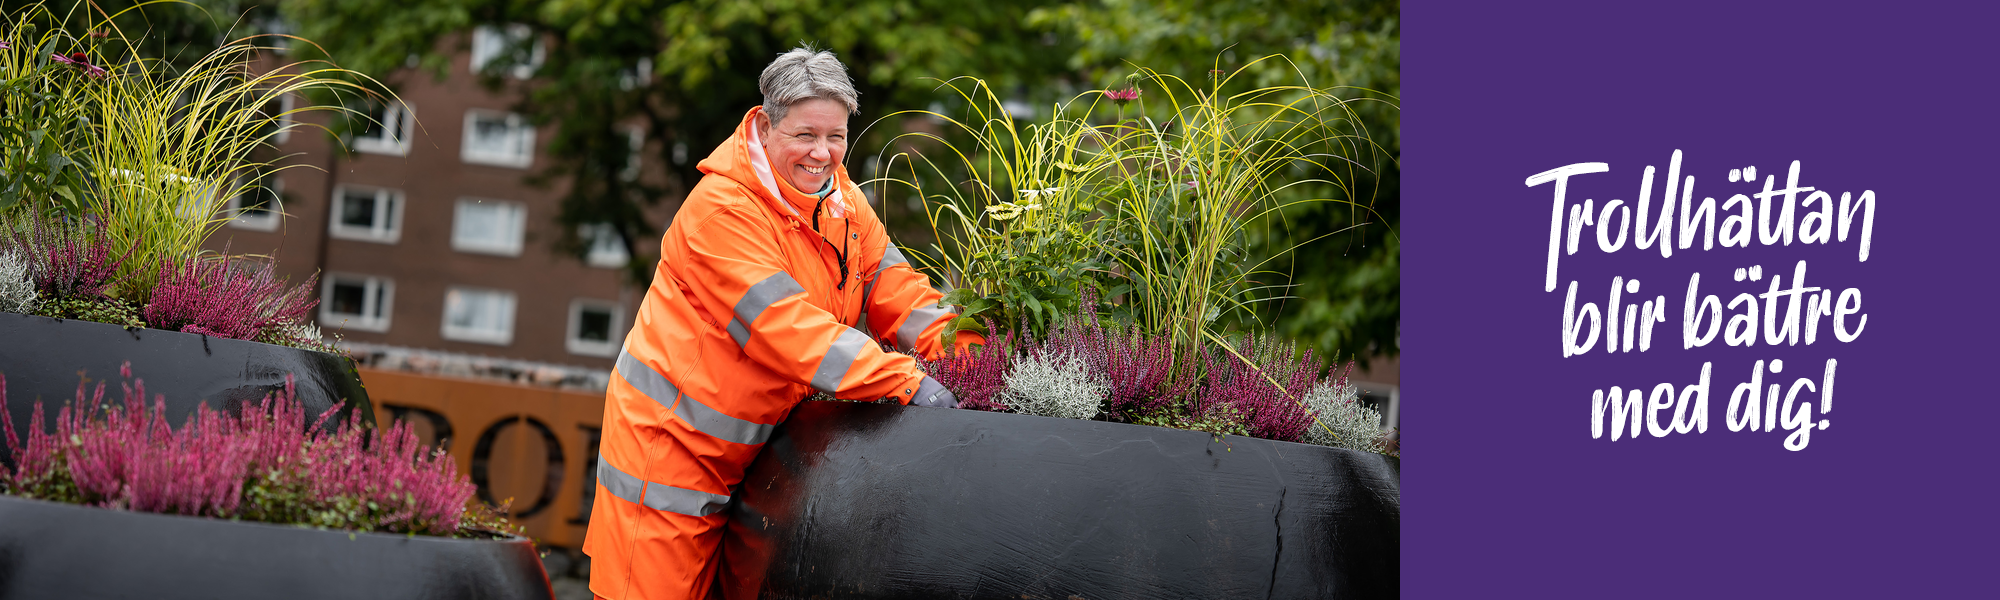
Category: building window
[635,141]
[607,247]
[497,138]
[275,33]
[479,315]
[256,205]
[488,226]
[386,130]
[367,213]
[356,302]
[593,328]
[278,109]
[511,49]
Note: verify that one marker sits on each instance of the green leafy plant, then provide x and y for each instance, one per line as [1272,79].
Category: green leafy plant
[1021,237]
[44,95]
[1156,211]
[1155,214]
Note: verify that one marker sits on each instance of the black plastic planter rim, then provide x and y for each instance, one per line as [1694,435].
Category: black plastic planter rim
[43,359]
[52,548]
[861,500]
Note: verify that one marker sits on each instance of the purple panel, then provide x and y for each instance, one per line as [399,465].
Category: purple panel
[1507,489]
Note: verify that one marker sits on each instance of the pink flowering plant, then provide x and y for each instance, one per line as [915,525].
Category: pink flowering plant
[73,266]
[1089,367]
[225,296]
[270,463]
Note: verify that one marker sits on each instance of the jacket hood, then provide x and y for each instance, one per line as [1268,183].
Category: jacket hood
[741,158]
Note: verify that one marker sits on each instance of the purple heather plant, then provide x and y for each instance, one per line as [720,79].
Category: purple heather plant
[266,464]
[230,297]
[1246,392]
[1143,371]
[1152,382]
[67,260]
[976,376]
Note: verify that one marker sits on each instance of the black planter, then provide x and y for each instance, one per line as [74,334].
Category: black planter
[43,358]
[50,550]
[881,501]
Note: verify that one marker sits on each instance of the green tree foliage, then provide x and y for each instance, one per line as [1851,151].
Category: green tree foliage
[683,72]
[180,31]
[702,58]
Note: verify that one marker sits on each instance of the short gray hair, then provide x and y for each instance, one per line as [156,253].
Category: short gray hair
[803,74]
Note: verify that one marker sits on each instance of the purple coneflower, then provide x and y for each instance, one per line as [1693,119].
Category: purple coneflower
[5,46]
[81,61]
[1122,96]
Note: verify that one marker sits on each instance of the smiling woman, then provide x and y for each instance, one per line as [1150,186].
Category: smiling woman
[807,97]
[750,311]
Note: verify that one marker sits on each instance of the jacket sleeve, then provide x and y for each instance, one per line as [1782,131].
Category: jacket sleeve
[740,281]
[902,302]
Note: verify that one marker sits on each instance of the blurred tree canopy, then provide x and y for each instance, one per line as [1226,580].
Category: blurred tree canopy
[683,72]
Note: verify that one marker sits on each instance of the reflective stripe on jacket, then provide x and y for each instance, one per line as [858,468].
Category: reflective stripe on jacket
[745,317]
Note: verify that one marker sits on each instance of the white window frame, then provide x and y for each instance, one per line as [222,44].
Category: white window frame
[379,290]
[521,135]
[388,228]
[490,42]
[397,117]
[273,214]
[640,75]
[615,338]
[465,334]
[509,243]
[605,249]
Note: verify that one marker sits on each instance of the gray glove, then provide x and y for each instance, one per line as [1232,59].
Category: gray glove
[933,394]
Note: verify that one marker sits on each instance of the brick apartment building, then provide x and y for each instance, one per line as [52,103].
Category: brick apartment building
[435,254]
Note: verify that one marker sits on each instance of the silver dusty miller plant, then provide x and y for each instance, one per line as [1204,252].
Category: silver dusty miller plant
[1055,384]
[17,292]
[1343,421]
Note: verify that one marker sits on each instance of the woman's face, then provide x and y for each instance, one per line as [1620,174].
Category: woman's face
[807,145]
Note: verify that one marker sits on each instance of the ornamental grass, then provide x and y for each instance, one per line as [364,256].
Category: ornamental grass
[268,463]
[1140,206]
[118,168]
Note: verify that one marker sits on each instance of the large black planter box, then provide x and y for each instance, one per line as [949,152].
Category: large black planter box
[50,550]
[43,358]
[881,501]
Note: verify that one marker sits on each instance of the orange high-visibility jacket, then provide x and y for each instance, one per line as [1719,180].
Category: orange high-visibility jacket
[747,315]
